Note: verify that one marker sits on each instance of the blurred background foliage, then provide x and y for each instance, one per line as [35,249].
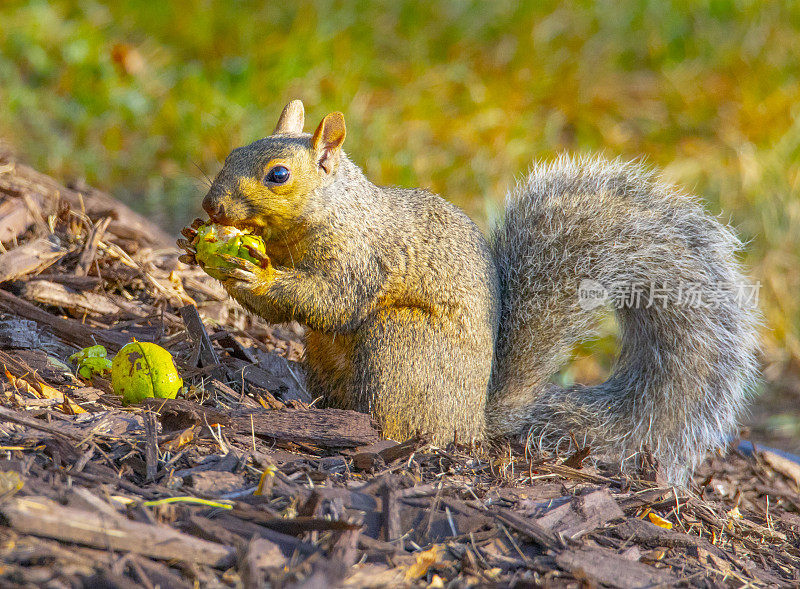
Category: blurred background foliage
[142,98]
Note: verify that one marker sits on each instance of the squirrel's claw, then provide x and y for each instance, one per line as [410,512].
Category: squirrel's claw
[240,263]
[197,223]
[245,275]
[190,255]
[189,233]
[263,259]
[187,246]
[236,274]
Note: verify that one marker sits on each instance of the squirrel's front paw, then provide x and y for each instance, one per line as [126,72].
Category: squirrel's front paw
[247,275]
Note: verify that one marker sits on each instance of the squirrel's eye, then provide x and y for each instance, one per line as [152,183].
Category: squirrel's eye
[277,175]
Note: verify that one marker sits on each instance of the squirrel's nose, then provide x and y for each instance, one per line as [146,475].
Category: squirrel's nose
[215,210]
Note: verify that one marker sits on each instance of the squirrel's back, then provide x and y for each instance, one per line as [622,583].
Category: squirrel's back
[582,232]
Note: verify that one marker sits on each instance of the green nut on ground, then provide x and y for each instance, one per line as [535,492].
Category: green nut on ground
[141,370]
[91,361]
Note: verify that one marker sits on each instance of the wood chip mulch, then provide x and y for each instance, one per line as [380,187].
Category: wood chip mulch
[242,482]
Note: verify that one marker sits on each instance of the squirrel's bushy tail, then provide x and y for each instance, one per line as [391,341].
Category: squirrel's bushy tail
[686,314]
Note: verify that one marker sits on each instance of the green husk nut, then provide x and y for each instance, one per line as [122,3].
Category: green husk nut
[213,240]
[91,361]
[142,370]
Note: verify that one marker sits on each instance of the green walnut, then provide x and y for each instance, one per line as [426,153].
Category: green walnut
[142,370]
[213,240]
[91,366]
[91,361]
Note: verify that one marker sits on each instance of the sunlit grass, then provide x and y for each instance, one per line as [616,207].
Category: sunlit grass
[458,97]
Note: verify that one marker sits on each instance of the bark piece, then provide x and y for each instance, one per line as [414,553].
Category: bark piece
[390,512]
[197,331]
[180,414]
[227,463]
[15,218]
[599,565]
[89,303]
[237,350]
[150,445]
[210,530]
[260,554]
[288,544]
[282,378]
[72,281]
[216,483]
[61,431]
[582,514]
[18,333]
[42,517]
[783,465]
[651,535]
[439,519]
[529,528]
[331,428]
[29,258]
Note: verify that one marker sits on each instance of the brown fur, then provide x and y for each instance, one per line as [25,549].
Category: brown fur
[407,306]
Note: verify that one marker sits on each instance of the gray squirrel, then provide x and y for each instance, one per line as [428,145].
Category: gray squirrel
[415,317]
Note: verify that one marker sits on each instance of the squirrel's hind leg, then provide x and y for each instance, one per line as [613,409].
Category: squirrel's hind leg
[329,362]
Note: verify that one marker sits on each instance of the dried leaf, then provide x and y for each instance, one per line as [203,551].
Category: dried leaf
[68,406]
[425,560]
[266,481]
[179,441]
[659,521]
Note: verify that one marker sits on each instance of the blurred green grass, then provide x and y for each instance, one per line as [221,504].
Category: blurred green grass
[459,97]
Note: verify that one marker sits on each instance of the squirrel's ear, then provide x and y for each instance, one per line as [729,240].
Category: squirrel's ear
[327,141]
[292,118]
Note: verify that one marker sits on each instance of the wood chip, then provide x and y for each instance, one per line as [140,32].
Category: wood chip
[582,514]
[598,565]
[15,218]
[90,247]
[42,517]
[29,258]
[786,467]
[82,303]
[332,428]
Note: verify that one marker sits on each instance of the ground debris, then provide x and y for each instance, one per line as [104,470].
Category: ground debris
[40,516]
[244,482]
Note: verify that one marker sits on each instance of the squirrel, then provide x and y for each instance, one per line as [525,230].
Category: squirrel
[415,317]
